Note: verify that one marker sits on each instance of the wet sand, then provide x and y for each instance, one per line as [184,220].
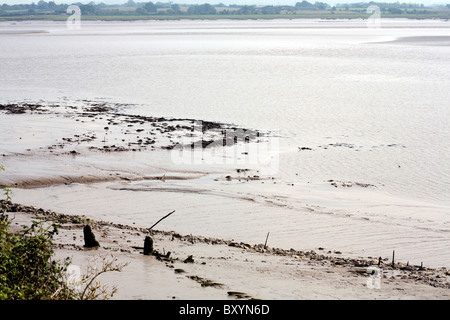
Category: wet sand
[221,269]
[118,168]
[421,41]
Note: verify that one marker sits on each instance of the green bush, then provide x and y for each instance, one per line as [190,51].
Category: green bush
[27,268]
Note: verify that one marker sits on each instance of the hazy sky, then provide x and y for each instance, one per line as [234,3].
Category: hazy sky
[251,2]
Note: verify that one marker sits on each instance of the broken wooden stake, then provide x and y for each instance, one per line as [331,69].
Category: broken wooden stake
[161,220]
[393,258]
[265,243]
[89,238]
[148,246]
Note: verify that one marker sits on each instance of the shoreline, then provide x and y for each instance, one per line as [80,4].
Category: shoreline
[90,131]
[87,164]
[208,274]
[100,154]
[297,156]
[305,16]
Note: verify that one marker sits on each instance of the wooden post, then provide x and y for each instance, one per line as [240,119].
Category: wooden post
[148,246]
[393,258]
[89,238]
[267,237]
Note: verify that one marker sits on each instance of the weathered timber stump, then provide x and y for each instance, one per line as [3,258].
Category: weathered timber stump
[148,246]
[89,238]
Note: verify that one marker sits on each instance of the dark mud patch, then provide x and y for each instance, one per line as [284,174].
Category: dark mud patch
[22,108]
[111,130]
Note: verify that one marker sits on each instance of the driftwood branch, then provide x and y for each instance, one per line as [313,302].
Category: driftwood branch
[161,220]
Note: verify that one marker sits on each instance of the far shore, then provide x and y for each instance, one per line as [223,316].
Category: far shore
[313,15]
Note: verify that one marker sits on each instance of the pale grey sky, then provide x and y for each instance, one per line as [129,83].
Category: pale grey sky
[227,2]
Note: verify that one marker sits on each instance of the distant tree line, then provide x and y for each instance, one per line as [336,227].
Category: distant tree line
[150,8]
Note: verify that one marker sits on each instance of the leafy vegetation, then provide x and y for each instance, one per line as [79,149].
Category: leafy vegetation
[93,289]
[149,10]
[7,193]
[28,270]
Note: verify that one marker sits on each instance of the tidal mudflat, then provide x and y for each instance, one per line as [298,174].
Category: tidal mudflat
[326,139]
[87,169]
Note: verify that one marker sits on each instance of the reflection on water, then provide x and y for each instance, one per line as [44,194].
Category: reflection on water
[319,83]
[352,106]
